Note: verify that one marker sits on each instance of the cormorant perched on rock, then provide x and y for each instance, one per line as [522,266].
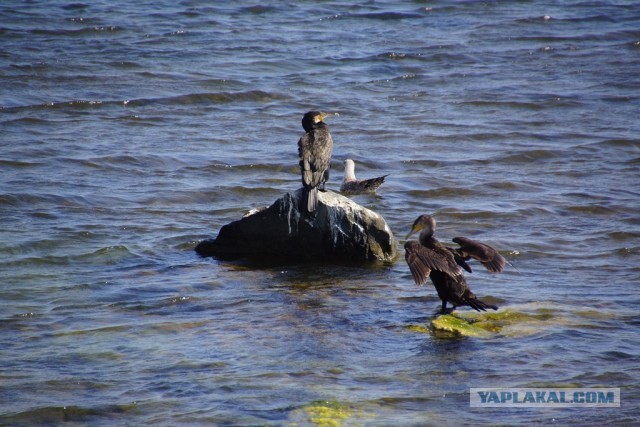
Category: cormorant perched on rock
[314,149]
[351,185]
[428,258]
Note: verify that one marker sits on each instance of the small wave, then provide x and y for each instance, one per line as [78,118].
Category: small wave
[95,331]
[60,105]
[611,36]
[210,168]
[109,252]
[258,167]
[36,66]
[474,215]
[441,192]
[528,156]
[545,19]
[18,164]
[30,199]
[257,9]
[142,121]
[385,16]
[591,209]
[126,65]
[400,55]
[103,256]
[212,98]
[442,54]
[425,164]
[59,415]
[501,185]
[83,20]
[75,6]
[31,121]
[544,101]
[505,104]
[120,162]
[166,305]
[622,236]
[622,98]
[78,32]
[614,356]
[633,144]
[189,99]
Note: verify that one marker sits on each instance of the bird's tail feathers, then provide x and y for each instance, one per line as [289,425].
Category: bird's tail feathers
[480,305]
[310,199]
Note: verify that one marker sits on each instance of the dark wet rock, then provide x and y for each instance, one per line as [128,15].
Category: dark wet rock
[341,230]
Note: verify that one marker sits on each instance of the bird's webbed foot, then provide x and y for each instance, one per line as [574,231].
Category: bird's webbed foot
[445,310]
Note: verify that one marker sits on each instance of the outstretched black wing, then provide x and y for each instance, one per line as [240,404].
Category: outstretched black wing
[487,255]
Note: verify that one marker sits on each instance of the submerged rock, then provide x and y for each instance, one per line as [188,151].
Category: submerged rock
[330,413]
[487,324]
[341,230]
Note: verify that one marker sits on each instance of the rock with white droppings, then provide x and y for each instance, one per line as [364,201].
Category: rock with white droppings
[341,231]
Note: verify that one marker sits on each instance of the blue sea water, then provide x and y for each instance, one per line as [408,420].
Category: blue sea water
[130,131]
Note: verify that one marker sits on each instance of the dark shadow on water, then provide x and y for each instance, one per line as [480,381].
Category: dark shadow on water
[273,262]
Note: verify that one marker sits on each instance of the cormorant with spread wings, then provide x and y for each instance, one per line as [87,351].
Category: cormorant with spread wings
[428,258]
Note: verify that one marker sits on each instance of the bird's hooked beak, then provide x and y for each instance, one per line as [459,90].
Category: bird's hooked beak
[414,229]
[323,115]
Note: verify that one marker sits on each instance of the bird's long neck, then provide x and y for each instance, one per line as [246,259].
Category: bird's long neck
[426,239]
[309,125]
[349,172]
[320,125]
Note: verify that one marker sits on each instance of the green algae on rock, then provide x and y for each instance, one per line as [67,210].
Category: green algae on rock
[458,326]
[328,413]
[483,325]
[508,322]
